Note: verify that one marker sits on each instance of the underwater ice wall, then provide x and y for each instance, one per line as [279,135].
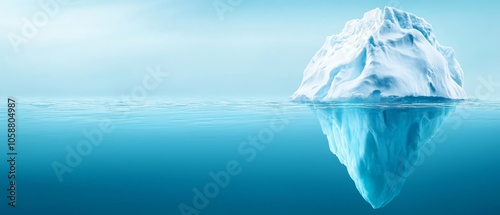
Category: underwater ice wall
[378,145]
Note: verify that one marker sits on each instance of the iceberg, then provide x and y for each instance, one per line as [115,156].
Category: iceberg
[380,146]
[381,90]
[389,53]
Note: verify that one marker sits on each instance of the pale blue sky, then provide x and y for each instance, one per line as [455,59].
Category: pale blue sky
[101,48]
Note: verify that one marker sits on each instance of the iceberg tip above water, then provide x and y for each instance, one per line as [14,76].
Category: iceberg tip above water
[387,53]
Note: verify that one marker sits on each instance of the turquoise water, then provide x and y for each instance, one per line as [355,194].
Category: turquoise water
[151,155]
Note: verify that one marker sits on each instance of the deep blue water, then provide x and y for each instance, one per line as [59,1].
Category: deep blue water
[159,150]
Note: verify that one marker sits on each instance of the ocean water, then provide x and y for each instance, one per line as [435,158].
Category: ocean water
[269,156]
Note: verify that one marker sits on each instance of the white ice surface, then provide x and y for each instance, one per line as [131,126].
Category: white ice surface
[387,53]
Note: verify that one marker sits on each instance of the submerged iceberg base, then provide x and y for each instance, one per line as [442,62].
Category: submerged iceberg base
[376,144]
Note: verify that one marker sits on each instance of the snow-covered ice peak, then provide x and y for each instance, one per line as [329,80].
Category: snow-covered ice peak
[389,53]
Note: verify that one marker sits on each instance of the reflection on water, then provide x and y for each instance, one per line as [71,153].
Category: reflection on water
[379,144]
